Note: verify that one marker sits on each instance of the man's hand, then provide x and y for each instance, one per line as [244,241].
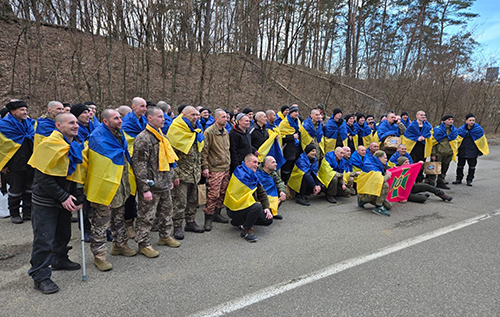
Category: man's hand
[296,136]
[257,153]
[317,189]
[176,182]
[5,170]
[282,196]
[268,213]
[433,158]
[388,174]
[205,173]
[421,138]
[69,204]
[344,186]
[148,196]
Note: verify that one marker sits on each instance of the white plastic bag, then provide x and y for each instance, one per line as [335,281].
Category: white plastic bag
[4,207]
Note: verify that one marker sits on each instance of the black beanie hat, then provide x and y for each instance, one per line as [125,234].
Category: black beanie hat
[150,104]
[336,110]
[247,110]
[309,148]
[404,113]
[469,115]
[293,109]
[203,109]
[284,108]
[13,105]
[4,112]
[446,117]
[359,115]
[78,108]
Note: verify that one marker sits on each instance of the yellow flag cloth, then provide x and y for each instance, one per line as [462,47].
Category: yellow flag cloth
[7,149]
[181,137]
[166,154]
[238,194]
[370,183]
[296,179]
[326,173]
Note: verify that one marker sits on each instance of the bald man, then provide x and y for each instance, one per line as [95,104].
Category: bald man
[258,132]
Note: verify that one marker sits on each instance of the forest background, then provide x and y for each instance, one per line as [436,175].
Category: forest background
[360,55]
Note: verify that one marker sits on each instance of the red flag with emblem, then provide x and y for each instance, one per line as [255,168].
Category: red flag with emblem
[401,181]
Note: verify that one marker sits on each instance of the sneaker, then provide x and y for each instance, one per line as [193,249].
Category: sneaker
[46,286]
[361,203]
[469,183]
[248,235]
[381,211]
[457,182]
[302,201]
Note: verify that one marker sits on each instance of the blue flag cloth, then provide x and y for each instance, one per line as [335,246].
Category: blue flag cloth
[406,122]
[395,156]
[304,164]
[271,127]
[268,183]
[228,127]
[16,130]
[83,131]
[413,132]
[199,135]
[332,129]
[338,167]
[205,123]
[385,129]
[106,144]
[315,133]
[373,164]
[166,125]
[357,160]
[363,130]
[440,133]
[245,175]
[45,126]
[133,126]
[74,154]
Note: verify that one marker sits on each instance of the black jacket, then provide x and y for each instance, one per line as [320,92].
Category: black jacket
[240,145]
[19,161]
[468,149]
[51,191]
[258,135]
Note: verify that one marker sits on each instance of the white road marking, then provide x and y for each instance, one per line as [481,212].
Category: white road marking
[283,287]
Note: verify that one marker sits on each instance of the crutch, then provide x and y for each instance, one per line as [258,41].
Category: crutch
[84,278]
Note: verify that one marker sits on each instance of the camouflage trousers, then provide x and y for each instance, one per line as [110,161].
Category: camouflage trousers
[161,208]
[185,197]
[104,217]
[445,165]
[378,200]
[335,188]
[217,185]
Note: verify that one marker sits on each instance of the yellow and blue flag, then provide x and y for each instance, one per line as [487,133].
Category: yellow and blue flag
[289,126]
[271,190]
[56,156]
[280,117]
[106,158]
[331,132]
[477,135]
[413,132]
[131,127]
[182,135]
[166,155]
[242,185]
[302,166]
[329,167]
[44,127]
[308,133]
[271,147]
[385,129]
[12,135]
[370,183]
[363,135]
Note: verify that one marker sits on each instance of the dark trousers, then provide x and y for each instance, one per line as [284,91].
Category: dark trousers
[472,162]
[286,170]
[20,190]
[253,215]
[51,234]
[87,213]
[130,208]
[417,154]
[421,188]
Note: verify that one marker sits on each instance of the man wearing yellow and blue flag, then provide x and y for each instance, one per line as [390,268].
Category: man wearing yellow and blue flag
[206,118]
[363,131]
[386,128]
[372,184]
[92,113]
[417,139]
[443,140]
[165,107]
[273,185]
[46,124]
[281,115]
[134,123]
[312,133]
[153,164]
[271,120]
[471,143]
[56,161]
[289,129]
[107,187]
[335,131]
[243,192]
[82,114]
[186,137]
[304,178]
[16,147]
[331,175]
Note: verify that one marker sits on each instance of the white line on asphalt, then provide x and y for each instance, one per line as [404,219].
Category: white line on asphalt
[283,287]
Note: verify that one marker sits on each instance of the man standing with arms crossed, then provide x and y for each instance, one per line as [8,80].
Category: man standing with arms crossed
[215,161]
[153,163]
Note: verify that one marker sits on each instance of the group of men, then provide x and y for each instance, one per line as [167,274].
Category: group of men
[139,169]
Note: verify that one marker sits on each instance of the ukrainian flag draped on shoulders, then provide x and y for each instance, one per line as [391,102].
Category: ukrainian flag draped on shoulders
[385,129]
[12,135]
[106,157]
[182,135]
[371,179]
[302,166]
[478,136]
[290,126]
[331,132]
[271,190]
[329,167]
[57,156]
[357,161]
[308,133]
[242,185]
[166,125]
[413,132]
[44,127]
[166,155]
[440,132]
[272,147]
[280,117]
[131,127]
[364,133]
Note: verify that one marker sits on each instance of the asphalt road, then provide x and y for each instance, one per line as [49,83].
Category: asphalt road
[324,260]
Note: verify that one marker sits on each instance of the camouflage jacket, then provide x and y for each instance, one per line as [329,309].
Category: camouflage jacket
[145,164]
[189,165]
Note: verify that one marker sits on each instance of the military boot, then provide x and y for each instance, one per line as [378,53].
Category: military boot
[178,234]
[443,196]
[123,249]
[149,251]
[208,222]
[101,261]
[218,217]
[171,242]
[14,205]
[193,227]
[470,175]
[129,228]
